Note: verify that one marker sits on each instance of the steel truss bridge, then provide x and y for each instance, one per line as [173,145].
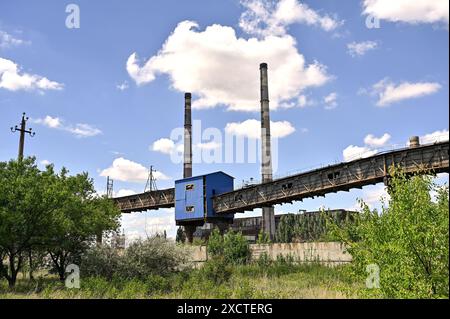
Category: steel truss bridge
[430,158]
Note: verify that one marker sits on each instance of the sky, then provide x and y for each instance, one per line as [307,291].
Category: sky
[103,84]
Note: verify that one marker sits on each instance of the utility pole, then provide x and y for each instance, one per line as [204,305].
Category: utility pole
[22,131]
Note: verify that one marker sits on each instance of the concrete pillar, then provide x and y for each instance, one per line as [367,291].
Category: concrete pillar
[268,214]
[187,165]
[189,231]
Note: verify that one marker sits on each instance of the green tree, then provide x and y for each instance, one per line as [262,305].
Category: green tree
[80,217]
[44,211]
[408,240]
[25,211]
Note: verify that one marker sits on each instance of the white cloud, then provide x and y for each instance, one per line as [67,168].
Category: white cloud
[262,17]
[361,48]
[140,225]
[208,145]
[79,129]
[124,192]
[408,11]
[438,136]
[372,196]
[389,92]
[83,130]
[12,79]
[128,171]
[330,101]
[252,129]
[164,145]
[7,40]
[123,86]
[355,152]
[373,141]
[222,69]
[45,162]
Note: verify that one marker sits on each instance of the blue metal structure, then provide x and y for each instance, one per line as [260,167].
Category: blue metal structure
[194,198]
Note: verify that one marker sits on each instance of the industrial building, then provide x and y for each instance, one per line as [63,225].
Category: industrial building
[211,200]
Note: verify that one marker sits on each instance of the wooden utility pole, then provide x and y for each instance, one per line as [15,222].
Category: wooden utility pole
[22,131]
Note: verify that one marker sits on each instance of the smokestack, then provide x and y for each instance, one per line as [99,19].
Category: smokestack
[266,152]
[187,165]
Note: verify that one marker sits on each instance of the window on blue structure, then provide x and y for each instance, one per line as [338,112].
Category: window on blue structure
[190,187]
[189,209]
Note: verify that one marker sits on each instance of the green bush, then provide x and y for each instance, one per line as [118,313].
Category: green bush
[233,247]
[143,258]
[216,270]
[408,241]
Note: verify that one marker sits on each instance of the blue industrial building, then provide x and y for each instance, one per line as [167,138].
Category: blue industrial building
[193,198]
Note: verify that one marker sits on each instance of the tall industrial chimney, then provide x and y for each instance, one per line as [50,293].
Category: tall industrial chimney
[187,165]
[268,215]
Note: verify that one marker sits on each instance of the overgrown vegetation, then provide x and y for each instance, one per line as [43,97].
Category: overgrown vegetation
[48,220]
[141,259]
[232,247]
[309,226]
[408,241]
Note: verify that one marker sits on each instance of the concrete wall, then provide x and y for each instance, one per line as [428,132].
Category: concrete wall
[329,253]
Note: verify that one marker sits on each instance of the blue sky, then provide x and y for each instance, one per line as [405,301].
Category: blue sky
[105,97]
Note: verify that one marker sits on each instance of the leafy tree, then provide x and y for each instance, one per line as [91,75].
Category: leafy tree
[44,211]
[78,220]
[408,240]
[25,211]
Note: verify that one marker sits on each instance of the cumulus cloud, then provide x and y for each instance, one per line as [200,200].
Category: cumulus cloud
[140,225]
[437,136]
[373,141]
[8,41]
[13,79]
[355,152]
[361,48]
[220,68]
[262,17]
[79,129]
[330,101]
[164,145]
[252,129]
[413,12]
[389,92]
[128,171]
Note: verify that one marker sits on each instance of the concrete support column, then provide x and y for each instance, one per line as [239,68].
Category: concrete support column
[189,231]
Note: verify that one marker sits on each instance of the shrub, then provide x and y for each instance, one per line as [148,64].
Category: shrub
[153,256]
[408,240]
[216,270]
[101,261]
[233,247]
[236,249]
[215,243]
